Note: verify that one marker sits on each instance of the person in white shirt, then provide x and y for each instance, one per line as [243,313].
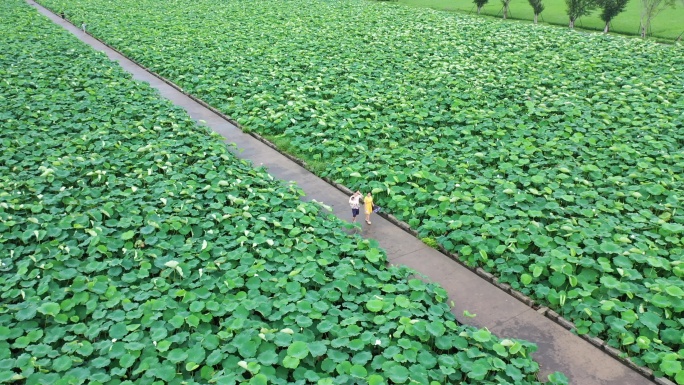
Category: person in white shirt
[355,204]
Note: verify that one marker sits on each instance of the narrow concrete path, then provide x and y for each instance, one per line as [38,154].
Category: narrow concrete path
[504,315]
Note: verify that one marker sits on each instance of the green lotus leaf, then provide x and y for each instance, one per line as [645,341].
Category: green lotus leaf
[337,356]
[361,358]
[298,349]
[479,369]
[196,354]
[62,363]
[100,362]
[416,284]
[610,248]
[196,307]
[29,312]
[177,355]
[118,330]
[675,291]
[375,379]
[266,358]
[49,308]
[216,356]
[317,348]
[558,378]
[670,367]
[165,372]
[259,379]
[679,377]
[193,320]
[651,320]
[398,374]
[282,339]
[557,279]
[358,371]
[146,230]
[356,344]
[516,348]
[661,301]
[375,305]
[291,362]
[402,301]
[526,279]
[643,342]
[610,282]
[514,373]
[85,348]
[482,335]
[373,255]
[163,346]
[126,361]
[436,328]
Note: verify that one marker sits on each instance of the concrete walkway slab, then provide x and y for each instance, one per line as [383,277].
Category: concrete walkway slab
[559,350]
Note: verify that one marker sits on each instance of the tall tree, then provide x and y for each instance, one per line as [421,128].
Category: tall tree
[505,3]
[579,8]
[649,10]
[610,9]
[538,8]
[481,3]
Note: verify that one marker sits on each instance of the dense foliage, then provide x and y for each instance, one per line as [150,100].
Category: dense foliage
[549,157]
[136,249]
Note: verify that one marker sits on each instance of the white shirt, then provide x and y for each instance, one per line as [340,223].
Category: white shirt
[354,201]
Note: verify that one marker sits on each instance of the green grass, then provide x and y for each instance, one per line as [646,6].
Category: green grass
[669,24]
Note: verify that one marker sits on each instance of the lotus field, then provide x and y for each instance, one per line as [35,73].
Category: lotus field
[135,248]
[549,157]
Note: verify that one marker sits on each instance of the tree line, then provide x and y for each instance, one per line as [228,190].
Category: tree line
[609,10]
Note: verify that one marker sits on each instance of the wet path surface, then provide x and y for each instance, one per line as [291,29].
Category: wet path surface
[501,313]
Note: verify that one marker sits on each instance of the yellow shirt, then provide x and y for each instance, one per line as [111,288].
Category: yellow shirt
[368,204]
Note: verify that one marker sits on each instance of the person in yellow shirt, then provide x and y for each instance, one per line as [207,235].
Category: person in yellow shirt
[368,206]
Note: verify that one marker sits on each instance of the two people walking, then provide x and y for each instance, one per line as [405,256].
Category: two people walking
[355,204]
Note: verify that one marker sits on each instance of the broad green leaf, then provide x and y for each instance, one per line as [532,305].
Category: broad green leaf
[290,362]
[177,355]
[375,305]
[398,374]
[62,363]
[49,308]
[358,371]
[298,349]
[259,379]
[375,379]
[526,279]
[482,335]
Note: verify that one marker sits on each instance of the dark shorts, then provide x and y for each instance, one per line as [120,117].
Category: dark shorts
[355,212]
